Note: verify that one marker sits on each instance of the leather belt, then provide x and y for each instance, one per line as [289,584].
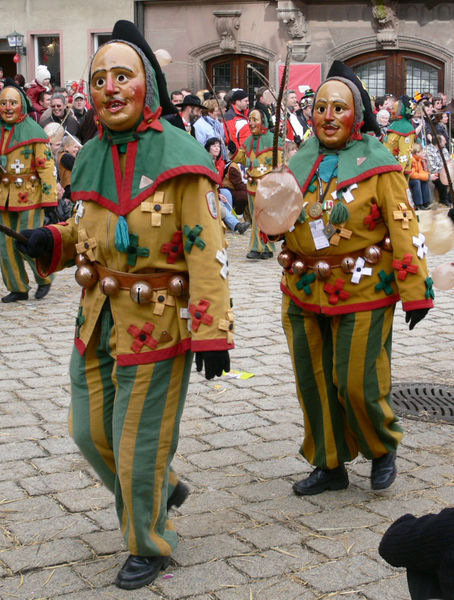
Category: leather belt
[157,281]
[14,178]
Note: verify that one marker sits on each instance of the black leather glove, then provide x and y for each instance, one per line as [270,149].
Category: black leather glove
[215,361]
[414,316]
[231,146]
[40,242]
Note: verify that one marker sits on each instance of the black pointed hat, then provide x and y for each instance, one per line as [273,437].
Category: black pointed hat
[128,32]
[340,69]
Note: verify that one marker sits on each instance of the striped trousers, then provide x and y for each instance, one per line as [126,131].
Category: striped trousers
[256,243]
[125,421]
[12,263]
[342,367]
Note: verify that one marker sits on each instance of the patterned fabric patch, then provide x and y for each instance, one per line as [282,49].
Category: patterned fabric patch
[212,204]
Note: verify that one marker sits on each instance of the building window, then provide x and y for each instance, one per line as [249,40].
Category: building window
[237,71]
[373,75]
[47,52]
[99,39]
[421,77]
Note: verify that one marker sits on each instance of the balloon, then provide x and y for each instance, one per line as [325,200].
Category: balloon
[278,202]
[163,56]
[16,58]
[443,276]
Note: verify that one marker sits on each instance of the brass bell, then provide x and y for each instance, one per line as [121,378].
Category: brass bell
[372,254]
[386,244]
[109,286]
[285,259]
[19,181]
[347,264]
[86,276]
[33,179]
[81,259]
[177,286]
[5,180]
[322,269]
[141,292]
[299,266]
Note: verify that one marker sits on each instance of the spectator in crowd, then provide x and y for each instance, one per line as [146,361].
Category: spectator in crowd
[304,113]
[441,122]
[69,149]
[176,97]
[295,131]
[79,108]
[437,102]
[235,181]
[389,102]
[60,114]
[435,165]
[186,92]
[264,102]
[379,103]
[420,177]
[28,187]
[429,116]
[189,111]
[213,146]
[425,547]
[383,117]
[236,118]
[41,83]
[209,126]
[20,80]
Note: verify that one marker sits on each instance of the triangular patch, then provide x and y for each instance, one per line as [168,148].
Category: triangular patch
[360,160]
[144,182]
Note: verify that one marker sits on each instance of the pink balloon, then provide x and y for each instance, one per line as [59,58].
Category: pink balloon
[443,276]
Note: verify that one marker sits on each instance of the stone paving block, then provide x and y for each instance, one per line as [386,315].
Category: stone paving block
[267,536]
[274,562]
[230,408]
[43,530]
[343,545]
[227,439]
[344,574]
[227,478]
[283,431]
[437,475]
[9,385]
[102,571]
[218,458]
[60,463]
[240,421]
[44,555]
[9,420]
[342,519]
[47,583]
[55,482]
[111,592]
[105,518]
[279,510]
[199,525]
[21,434]
[268,589]
[34,382]
[263,450]
[205,549]
[200,579]
[29,508]
[21,450]
[263,490]
[104,542]
[196,428]
[213,500]
[415,504]
[9,491]
[396,588]
[279,467]
[63,445]
[189,445]
[289,415]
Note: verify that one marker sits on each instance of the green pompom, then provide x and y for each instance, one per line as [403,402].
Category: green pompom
[302,216]
[339,214]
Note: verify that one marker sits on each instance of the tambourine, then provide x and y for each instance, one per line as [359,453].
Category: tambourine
[278,202]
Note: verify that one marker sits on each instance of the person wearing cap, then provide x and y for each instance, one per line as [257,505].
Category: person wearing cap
[425,547]
[148,243]
[264,102]
[236,119]
[304,113]
[28,185]
[189,111]
[79,107]
[353,252]
[41,83]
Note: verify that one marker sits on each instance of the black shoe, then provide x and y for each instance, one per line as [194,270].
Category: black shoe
[320,480]
[178,496]
[15,296]
[42,291]
[253,254]
[242,227]
[383,471]
[266,254]
[140,570]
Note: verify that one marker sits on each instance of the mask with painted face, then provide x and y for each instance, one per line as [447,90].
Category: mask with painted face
[334,114]
[10,105]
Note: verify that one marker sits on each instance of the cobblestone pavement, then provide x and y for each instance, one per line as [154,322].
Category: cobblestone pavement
[243,534]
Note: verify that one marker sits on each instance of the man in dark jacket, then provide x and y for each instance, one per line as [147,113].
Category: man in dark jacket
[236,119]
[189,111]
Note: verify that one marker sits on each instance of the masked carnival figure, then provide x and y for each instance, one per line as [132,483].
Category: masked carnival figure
[401,134]
[353,252]
[147,240]
[28,185]
[256,154]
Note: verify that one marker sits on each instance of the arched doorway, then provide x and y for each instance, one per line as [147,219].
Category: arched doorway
[398,72]
[234,71]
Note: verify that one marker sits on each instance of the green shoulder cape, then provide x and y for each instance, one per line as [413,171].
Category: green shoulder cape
[25,132]
[358,161]
[259,143]
[155,151]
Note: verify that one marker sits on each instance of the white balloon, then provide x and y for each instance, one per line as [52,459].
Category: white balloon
[443,276]
[163,57]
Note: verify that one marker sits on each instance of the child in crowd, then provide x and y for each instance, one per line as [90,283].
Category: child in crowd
[420,177]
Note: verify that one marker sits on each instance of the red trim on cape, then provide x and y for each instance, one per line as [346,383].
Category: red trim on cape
[368,174]
[131,155]
[342,310]
[311,174]
[415,304]
[117,170]
[26,143]
[207,345]
[115,208]
[400,133]
[29,206]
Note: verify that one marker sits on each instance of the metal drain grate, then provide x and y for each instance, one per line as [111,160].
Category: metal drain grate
[424,401]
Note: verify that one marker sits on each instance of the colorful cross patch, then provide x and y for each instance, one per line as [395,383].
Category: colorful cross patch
[339,233]
[134,250]
[23,197]
[162,299]
[193,237]
[157,208]
[27,151]
[372,219]
[404,266]
[86,245]
[385,282]
[336,292]
[305,283]
[404,215]
[199,314]
[359,270]
[221,257]
[46,188]
[174,248]
[430,294]
[227,325]
[17,166]
[419,242]
[142,337]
